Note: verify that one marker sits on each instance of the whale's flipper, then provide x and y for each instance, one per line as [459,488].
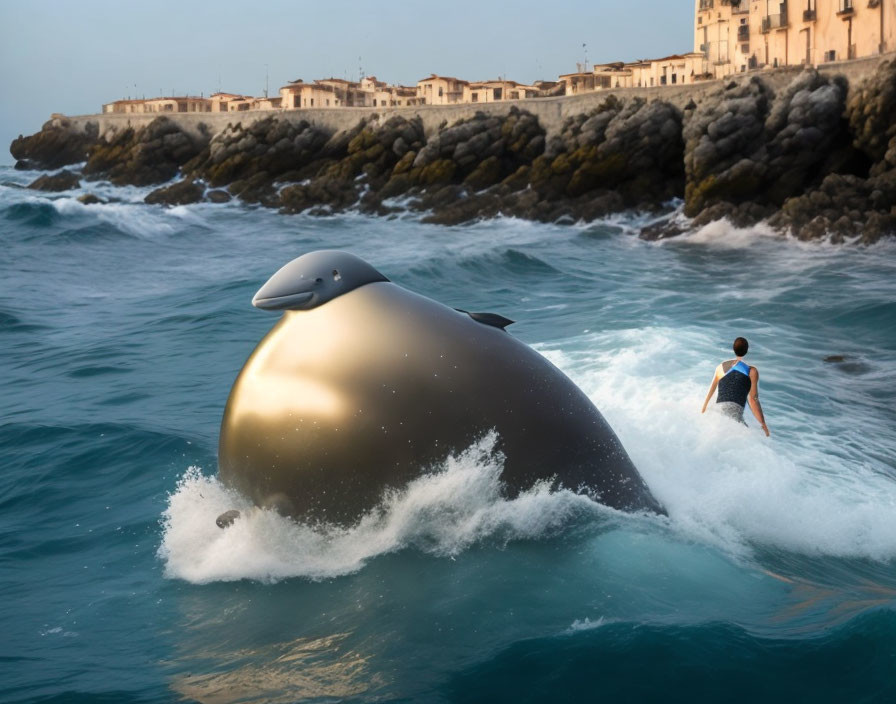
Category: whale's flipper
[492,319]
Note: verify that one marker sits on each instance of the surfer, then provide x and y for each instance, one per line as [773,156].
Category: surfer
[737,382]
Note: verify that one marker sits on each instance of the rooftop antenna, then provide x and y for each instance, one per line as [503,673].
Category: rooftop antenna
[265,80]
[360,70]
[585,50]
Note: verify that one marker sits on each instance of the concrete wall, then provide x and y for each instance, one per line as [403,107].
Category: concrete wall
[551,112]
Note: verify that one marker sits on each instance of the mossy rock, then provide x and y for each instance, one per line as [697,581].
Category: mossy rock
[562,164]
[486,174]
[440,171]
[405,163]
[712,189]
[519,179]
[397,185]
[365,139]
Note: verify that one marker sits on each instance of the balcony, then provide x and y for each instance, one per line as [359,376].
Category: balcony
[706,4]
[773,22]
[810,15]
[743,33]
[846,8]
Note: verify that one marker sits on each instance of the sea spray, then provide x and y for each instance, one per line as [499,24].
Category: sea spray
[443,513]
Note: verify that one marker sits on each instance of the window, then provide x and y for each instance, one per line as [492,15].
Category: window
[497,93]
[476,98]
[328,102]
[440,91]
[675,78]
[312,102]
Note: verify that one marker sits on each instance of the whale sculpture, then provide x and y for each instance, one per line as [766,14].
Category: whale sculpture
[362,385]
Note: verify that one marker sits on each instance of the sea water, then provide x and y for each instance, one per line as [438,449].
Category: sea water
[123,326]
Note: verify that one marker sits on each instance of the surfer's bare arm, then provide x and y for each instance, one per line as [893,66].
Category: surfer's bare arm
[712,387]
[754,400]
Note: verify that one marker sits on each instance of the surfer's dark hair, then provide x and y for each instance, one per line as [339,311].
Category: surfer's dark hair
[741,346]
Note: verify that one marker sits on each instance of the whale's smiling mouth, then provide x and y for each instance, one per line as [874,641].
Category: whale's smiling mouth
[291,300]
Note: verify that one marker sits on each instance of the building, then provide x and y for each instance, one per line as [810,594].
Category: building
[319,94]
[440,90]
[376,93]
[160,105]
[678,69]
[229,102]
[266,103]
[497,90]
[338,92]
[581,81]
[740,35]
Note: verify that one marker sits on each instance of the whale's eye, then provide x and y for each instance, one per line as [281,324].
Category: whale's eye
[336,275]
[318,280]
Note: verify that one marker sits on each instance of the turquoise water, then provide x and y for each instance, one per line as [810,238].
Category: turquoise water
[122,327]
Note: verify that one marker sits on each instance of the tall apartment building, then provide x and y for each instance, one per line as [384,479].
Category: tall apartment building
[738,35]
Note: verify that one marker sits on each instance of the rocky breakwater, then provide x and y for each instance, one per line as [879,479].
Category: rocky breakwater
[810,160]
[815,157]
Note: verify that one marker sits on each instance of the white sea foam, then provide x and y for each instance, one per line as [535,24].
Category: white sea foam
[443,513]
[133,219]
[725,484]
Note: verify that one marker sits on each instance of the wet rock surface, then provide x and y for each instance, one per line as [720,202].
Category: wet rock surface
[811,158]
[142,157]
[62,181]
[180,193]
[57,144]
[90,199]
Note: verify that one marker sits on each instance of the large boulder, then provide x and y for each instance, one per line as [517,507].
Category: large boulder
[142,157]
[356,165]
[745,144]
[634,149]
[62,181]
[482,150]
[272,146]
[180,193]
[872,117]
[57,144]
[858,200]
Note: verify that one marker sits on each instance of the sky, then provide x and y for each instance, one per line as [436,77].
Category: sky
[71,57]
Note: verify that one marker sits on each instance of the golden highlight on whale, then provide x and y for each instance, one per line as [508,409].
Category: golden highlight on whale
[363,385]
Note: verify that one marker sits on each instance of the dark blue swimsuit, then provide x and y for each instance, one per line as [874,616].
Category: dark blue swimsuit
[734,387]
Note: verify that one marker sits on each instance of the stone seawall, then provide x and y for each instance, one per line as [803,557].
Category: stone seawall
[810,151]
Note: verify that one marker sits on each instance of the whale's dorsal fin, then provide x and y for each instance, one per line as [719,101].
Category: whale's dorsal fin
[492,319]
